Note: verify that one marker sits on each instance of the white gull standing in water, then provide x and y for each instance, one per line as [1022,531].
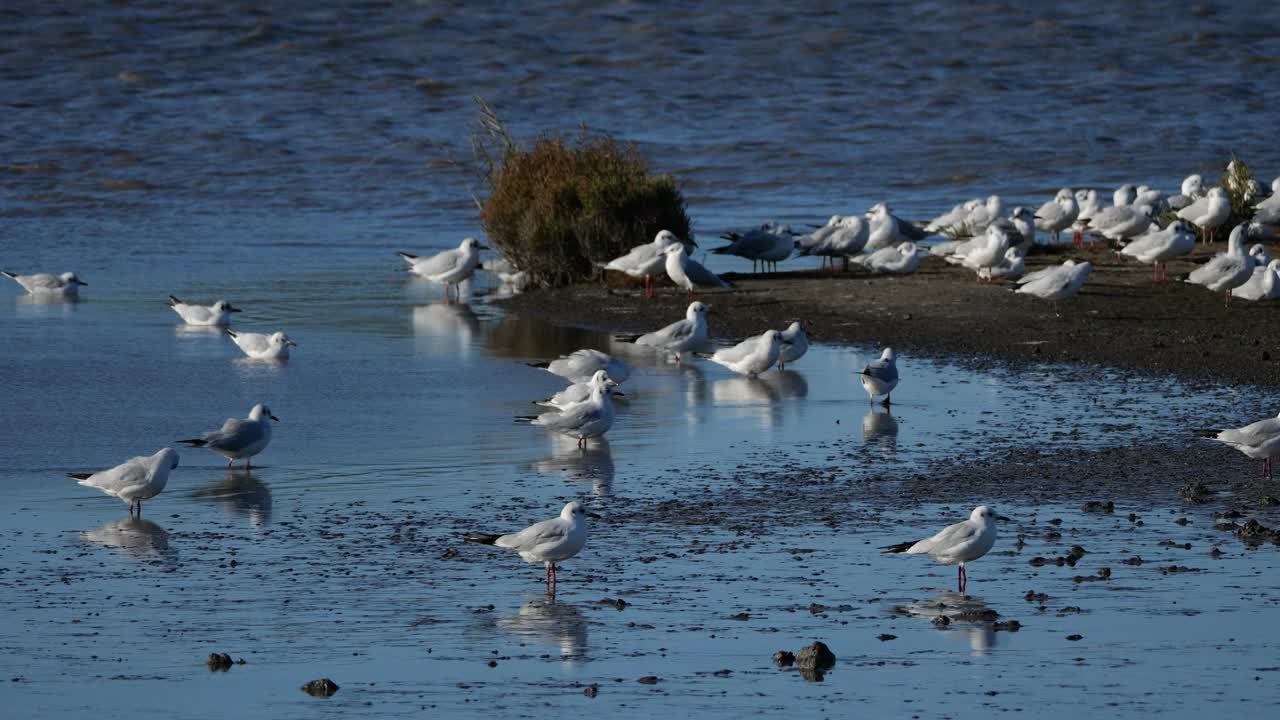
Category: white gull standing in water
[1259,440]
[591,418]
[45,284]
[239,439]
[262,347]
[216,314]
[449,267]
[549,542]
[687,335]
[795,343]
[880,377]
[581,366]
[751,356]
[138,479]
[956,544]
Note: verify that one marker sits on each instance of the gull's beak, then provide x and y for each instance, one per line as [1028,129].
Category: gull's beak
[483,247]
[618,394]
[291,343]
[595,516]
[81,282]
[611,383]
[232,309]
[273,417]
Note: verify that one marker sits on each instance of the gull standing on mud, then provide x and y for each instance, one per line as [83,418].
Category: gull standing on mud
[795,343]
[1058,214]
[900,260]
[46,285]
[841,237]
[1227,270]
[1208,213]
[450,267]
[768,245]
[591,418]
[581,365]
[1259,440]
[135,480]
[956,544]
[1056,283]
[217,314]
[1264,284]
[645,261]
[239,439]
[685,335]
[262,347]
[1162,246]
[677,264]
[549,542]
[1013,267]
[751,356]
[880,377]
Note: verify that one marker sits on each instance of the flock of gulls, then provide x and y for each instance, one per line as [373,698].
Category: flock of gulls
[1146,224]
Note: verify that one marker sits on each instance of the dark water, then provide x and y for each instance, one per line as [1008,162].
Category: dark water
[278,154]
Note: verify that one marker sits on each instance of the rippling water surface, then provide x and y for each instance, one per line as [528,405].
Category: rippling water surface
[277,154]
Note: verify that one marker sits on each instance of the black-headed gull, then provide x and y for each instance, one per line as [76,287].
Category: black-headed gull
[986,254]
[1192,190]
[1012,267]
[795,343]
[1264,284]
[768,245]
[687,335]
[1226,271]
[953,219]
[573,395]
[1162,246]
[888,229]
[1259,440]
[900,260]
[549,542]
[1056,283]
[1208,213]
[1121,222]
[262,347]
[216,314]
[1058,214]
[591,418]
[135,480]
[1024,221]
[751,356]
[580,365]
[687,273]
[239,439]
[645,261]
[65,285]
[880,377]
[449,267]
[841,237]
[956,544]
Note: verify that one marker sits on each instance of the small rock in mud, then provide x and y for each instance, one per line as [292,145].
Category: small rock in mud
[1182,521]
[1195,492]
[1077,552]
[1033,596]
[492,663]
[1216,552]
[886,637]
[816,656]
[941,621]
[740,616]
[1135,560]
[1177,569]
[450,553]
[616,603]
[1007,626]
[219,662]
[1074,638]
[591,690]
[1099,506]
[324,687]
[1255,532]
[782,658]
[723,673]
[981,615]
[1229,515]
[1104,573]
[1268,501]
[648,680]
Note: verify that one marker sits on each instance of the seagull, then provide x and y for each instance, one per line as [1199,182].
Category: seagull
[645,261]
[549,542]
[1013,267]
[983,215]
[507,273]
[888,229]
[581,366]
[1159,247]
[680,336]
[1264,284]
[751,356]
[572,395]
[1121,222]
[1057,284]
[218,313]
[768,244]
[138,479]
[1260,254]
[590,418]
[880,377]
[1192,190]
[687,274]
[1058,214]
[1259,441]
[987,254]
[449,267]
[957,544]
[239,439]
[795,343]
[1209,212]
[954,218]
[66,284]
[841,237]
[1267,212]
[1087,201]
[1124,195]
[1024,221]
[263,347]
[900,260]
[1226,271]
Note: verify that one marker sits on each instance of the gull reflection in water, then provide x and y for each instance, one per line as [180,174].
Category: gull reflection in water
[424,288]
[970,617]
[441,328]
[593,463]
[549,622]
[182,329]
[241,495]
[39,306]
[766,392]
[140,539]
[880,429]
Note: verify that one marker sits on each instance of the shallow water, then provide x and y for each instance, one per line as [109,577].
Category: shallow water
[278,155]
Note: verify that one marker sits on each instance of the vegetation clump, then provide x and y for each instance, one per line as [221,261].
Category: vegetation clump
[560,208]
[1240,185]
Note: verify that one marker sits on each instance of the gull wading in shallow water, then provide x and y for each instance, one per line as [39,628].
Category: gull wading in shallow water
[956,544]
[751,356]
[549,542]
[588,419]
[262,347]
[449,267]
[65,285]
[139,479]
[1259,440]
[580,365]
[239,439]
[646,261]
[685,335]
[218,313]
[880,377]
[795,343]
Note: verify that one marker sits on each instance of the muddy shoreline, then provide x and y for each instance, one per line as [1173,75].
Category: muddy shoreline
[1120,319]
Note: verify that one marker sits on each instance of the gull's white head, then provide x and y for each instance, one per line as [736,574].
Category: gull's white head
[601,380]
[1013,254]
[260,411]
[167,457]
[796,325]
[471,245]
[1192,185]
[666,238]
[71,279]
[772,336]
[224,306]
[1064,195]
[574,512]
[677,249]
[1022,213]
[1217,192]
[279,339]
[907,248]
[697,308]
[982,514]
[888,354]
[1275,186]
